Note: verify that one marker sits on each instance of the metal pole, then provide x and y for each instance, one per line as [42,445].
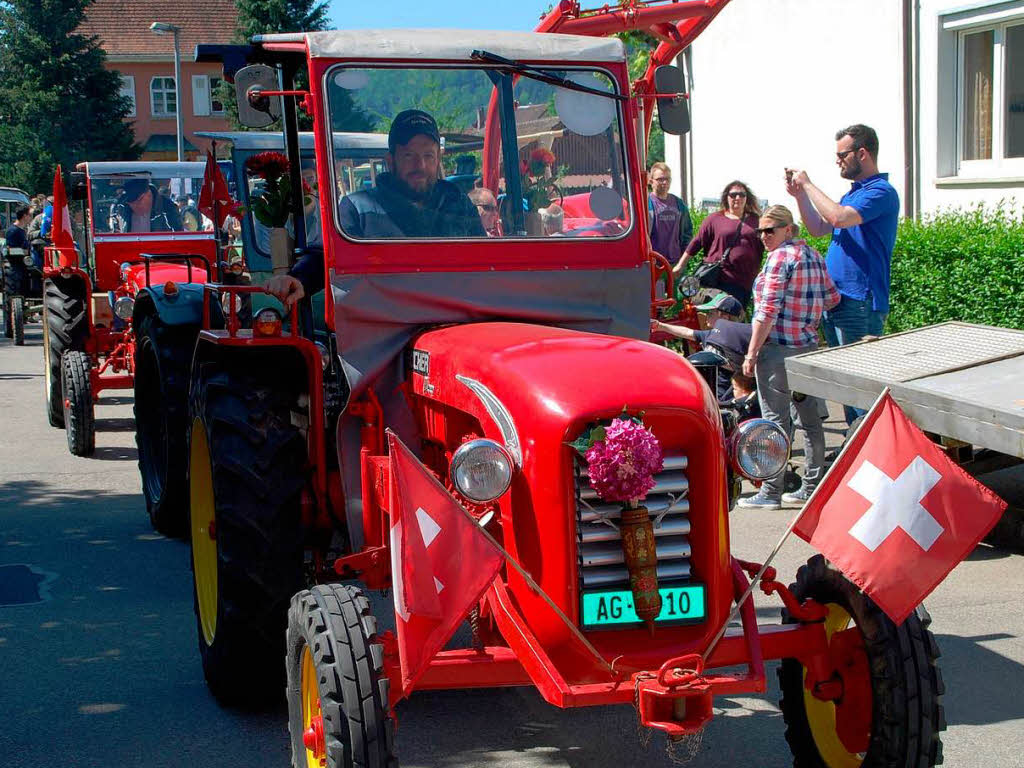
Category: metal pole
[179,119]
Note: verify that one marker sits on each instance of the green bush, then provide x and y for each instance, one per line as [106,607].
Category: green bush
[953,265]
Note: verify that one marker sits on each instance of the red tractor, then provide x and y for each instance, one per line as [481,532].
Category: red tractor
[489,357]
[133,250]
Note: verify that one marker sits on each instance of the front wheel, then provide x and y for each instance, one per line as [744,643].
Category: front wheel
[247,467]
[886,708]
[64,328]
[18,319]
[163,356]
[338,713]
[79,417]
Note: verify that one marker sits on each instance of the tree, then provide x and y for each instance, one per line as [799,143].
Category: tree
[58,104]
[639,47]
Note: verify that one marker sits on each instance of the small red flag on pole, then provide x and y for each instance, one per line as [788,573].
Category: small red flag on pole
[61,231]
[215,199]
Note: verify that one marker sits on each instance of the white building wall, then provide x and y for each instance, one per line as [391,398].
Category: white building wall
[772,80]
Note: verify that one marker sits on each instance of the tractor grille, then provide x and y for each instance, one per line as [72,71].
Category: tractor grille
[599,544]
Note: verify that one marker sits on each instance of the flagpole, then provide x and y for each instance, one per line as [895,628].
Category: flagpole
[216,217]
[789,530]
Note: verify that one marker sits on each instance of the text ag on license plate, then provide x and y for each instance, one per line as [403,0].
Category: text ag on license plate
[611,608]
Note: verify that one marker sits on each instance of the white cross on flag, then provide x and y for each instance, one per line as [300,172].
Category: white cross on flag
[895,514]
[441,562]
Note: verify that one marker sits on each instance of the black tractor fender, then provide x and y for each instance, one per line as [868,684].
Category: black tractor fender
[184,307]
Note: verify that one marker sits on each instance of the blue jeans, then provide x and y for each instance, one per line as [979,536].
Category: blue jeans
[849,321]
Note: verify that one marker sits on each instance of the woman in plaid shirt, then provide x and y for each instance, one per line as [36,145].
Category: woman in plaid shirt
[791,292]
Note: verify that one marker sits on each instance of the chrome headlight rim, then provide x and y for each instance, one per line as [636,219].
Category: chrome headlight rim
[124,306]
[464,453]
[29,260]
[740,440]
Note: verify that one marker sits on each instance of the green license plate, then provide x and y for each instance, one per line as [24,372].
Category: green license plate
[615,607]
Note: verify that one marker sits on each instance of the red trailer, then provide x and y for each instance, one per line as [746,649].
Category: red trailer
[489,358]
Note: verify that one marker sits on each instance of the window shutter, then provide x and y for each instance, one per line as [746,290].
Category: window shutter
[200,95]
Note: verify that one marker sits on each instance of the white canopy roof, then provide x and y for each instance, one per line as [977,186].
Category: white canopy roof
[12,195]
[157,169]
[274,140]
[452,44]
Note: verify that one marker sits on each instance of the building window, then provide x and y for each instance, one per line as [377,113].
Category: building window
[127,91]
[205,95]
[162,97]
[990,93]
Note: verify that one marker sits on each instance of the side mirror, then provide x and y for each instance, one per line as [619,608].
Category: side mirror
[673,113]
[78,186]
[255,110]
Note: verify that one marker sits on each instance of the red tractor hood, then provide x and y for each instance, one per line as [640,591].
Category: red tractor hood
[160,273]
[537,369]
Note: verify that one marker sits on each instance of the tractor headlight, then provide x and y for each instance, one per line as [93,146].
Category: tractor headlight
[481,470]
[28,261]
[759,449]
[123,307]
[228,299]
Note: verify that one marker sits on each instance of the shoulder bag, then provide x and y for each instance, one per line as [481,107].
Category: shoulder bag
[709,274]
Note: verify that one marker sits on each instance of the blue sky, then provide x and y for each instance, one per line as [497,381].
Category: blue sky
[461,14]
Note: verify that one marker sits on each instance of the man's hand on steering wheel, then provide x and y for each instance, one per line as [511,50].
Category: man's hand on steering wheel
[286,289]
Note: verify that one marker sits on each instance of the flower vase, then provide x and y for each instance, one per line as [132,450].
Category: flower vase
[637,530]
[534,225]
[280,250]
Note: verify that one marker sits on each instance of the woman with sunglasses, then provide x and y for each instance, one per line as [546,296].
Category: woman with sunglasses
[729,237]
[791,292]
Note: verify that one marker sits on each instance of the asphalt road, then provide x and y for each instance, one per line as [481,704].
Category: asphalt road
[104,670]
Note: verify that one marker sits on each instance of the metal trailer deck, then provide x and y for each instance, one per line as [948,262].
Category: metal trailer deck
[957,380]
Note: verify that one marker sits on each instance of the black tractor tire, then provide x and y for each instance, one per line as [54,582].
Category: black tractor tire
[905,681]
[335,667]
[18,319]
[64,328]
[79,417]
[247,468]
[163,359]
[1008,532]
[8,287]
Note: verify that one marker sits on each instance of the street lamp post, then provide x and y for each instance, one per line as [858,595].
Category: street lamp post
[162,28]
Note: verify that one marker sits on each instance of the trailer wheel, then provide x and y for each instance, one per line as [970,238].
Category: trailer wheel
[247,466]
[79,418]
[163,357]
[64,328]
[338,712]
[889,711]
[18,319]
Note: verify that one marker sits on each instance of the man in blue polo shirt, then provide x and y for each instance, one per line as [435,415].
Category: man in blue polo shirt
[863,226]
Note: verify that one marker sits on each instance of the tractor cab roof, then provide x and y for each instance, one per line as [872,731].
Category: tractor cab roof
[13,195]
[167,170]
[270,140]
[451,44]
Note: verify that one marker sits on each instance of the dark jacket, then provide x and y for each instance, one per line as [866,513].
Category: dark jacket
[163,216]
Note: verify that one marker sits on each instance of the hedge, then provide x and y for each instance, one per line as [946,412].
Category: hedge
[954,265]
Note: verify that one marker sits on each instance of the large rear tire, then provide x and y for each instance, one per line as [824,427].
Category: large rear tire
[247,467]
[163,357]
[64,328]
[18,319]
[7,288]
[79,417]
[338,713]
[889,712]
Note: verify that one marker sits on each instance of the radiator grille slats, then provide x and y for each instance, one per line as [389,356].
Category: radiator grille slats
[601,562]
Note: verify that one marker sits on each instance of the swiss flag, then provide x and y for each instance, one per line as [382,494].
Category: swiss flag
[215,199]
[441,562]
[895,514]
[61,228]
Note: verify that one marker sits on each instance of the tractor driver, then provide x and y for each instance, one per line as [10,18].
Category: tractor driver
[142,209]
[410,200]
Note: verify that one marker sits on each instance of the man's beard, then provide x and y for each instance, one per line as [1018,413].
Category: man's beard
[852,169]
[416,195]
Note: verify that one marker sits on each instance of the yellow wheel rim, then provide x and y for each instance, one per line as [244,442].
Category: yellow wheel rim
[311,712]
[204,544]
[821,715]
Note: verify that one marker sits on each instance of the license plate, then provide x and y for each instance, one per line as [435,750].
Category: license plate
[615,607]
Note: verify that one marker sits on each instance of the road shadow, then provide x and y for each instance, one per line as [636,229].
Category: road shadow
[116,453]
[122,424]
[976,677]
[114,400]
[19,376]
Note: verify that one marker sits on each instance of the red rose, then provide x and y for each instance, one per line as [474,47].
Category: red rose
[268,165]
[542,155]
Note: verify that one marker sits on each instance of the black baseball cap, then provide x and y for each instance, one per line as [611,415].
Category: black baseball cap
[134,188]
[411,122]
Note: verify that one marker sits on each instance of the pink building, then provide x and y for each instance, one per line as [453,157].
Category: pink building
[146,63]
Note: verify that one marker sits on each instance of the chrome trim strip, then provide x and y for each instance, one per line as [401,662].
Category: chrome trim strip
[497,411]
[151,237]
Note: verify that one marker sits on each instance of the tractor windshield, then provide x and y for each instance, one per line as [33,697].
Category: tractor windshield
[482,152]
[144,202]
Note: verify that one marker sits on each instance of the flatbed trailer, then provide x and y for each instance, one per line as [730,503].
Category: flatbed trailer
[961,382]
